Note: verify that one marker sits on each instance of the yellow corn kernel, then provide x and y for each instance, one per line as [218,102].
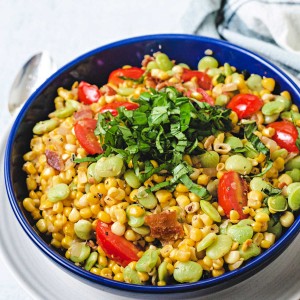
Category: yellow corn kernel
[232,257]
[104,217]
[31,155]
[55,243]
[29,204]
[197,221]
[195,234]
[233,117]
[268,84]
[136,211]
[255,199]
[119,277]
[287,219]
[110,182]
[143,276]
[130,235]
[246,244]
[257,238]
[260,158]
[158,178]
[294,108]
[149,239]
[66,242]
[68,254]
[193,197]
[207,221]
[236,265]
[268,132]
[234,215]
[265,244]
[256,226]
[218,263]
[118,229]
[154,163]
[133,195]
[286,95]
[41,225]
[161,283]
[182,256]
[235,246]
[166,250]
[187,159]
[181,188]
[106,272]
[183,201]
[58,207]
[203,179]
[285,178]
[96,271]
[261,217]
[218,272]
[31,184]
[132,265]
[163,196]
[102,261]
[220,173]
[29,168]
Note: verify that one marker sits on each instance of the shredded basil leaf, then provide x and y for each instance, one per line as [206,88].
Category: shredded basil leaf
[249,130]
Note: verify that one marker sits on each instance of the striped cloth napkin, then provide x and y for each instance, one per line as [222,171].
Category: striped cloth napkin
[270,28]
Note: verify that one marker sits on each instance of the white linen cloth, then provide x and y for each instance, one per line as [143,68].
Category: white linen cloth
[270,28]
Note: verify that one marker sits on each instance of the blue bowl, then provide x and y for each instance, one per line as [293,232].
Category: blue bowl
[94,67]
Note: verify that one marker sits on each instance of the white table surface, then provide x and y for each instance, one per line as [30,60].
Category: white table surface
[67,29]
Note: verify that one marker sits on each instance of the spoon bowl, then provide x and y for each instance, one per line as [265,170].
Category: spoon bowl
[34,72]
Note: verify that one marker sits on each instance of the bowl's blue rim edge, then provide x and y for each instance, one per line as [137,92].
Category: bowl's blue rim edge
[263,258]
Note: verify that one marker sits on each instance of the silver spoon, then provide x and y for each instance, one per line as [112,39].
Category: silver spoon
[35,71]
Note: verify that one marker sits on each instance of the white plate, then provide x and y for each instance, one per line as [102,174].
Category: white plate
[43,279]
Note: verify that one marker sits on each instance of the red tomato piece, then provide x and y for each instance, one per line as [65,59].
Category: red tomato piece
[245,105]
[88,93]
[84,131]
[285,135]
[113,107]
[232,193]
[107,90]
[206,98]
[115,247]
[130,73]
[83,113]
[204,81]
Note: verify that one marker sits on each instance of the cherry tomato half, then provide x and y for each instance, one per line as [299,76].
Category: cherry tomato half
[130,73]
[245,105]
[113,107]
[115,247]
[232,193]
[84,131]
[285,135]
[204,81]
[88,93]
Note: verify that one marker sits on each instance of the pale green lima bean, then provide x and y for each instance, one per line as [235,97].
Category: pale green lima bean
[286,102]
[58,192]
[152,65]
[279,153]
[188,271]
[163,62]
[240,233]
[206,241]
[290,116]
[91,174]
[125,91]
[142,230]
[254,82]
[148,261]
[220,247]
[251,251]
[210,210]
[90,262]
[45,126]
[64,112]
[209,159]
[293,163]
[250,151]
[146,198]
[227,69]
[83,229]
[239,164]
[272,108]
[207,62]
[271,119]
[233,142]
[294,174]
[222,100]
[294,198]
[163,271]
[131,276]
[275,227]
[79,252]
[131,179]
[277,203]
[109,166]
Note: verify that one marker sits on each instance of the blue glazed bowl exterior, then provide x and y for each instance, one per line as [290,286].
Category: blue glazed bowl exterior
[94,67]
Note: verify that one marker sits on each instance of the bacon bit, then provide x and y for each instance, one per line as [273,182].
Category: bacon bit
[107,90]
[164,226]
[84,113]
[54,160]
